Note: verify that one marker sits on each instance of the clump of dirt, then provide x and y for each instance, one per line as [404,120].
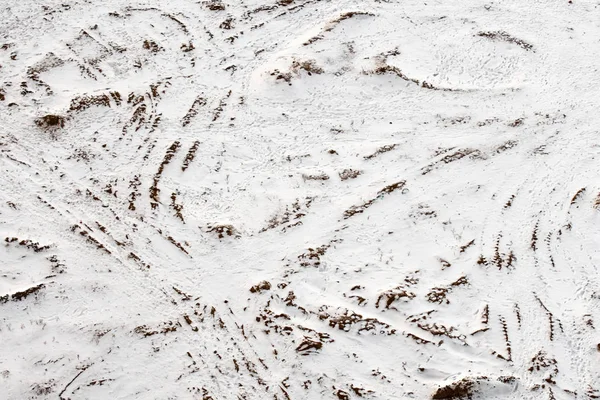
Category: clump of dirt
[84,102]
[516,122]
[596,204]
[310,66]
[360,392]
[51,122]
[361,208]
[317,177]
[227,24]
[388,69]
[214,5]
[21,295]
[391,188]
[506,146]
[460,281]
[469,386]
[186,48]
[177,244]
[345,16]
[224,230]
[313,257]
[461,389]
[178,208]
[35,246]
[18,296]
[342,395]
[312,40]
[259,287]
[284,76]
[345,320]
[473,154]
[152,46]
[442,330]
[309,346]
[541,361]
[193,111]
[381,150]
[578,195]
[349,174]
[392,295]
[438,295]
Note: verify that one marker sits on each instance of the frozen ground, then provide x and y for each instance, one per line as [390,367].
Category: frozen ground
[299,200]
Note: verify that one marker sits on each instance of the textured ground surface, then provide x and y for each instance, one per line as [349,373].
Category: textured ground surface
[299,200]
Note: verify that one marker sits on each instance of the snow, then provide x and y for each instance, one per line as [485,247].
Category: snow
[416,181]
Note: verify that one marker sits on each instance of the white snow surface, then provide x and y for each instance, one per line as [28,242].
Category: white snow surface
[412,186]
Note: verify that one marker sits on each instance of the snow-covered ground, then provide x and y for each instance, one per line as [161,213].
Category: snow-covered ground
[303,199]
